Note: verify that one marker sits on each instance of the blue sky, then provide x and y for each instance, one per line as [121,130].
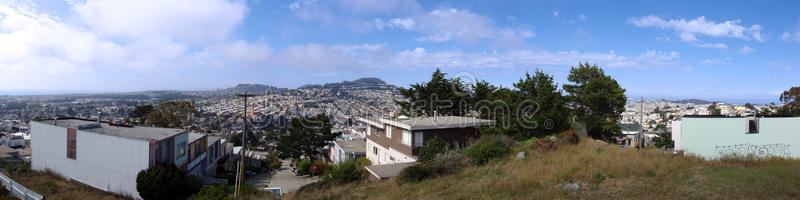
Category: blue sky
[717,50]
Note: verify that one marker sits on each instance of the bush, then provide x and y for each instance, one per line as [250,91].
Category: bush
[363,162]
[275,165]
[414,174]
[166,182]
[489,147]
[431,148]
[448,162]
[347,171]
[304,166]
[317,168]
[569,137]
[544,145]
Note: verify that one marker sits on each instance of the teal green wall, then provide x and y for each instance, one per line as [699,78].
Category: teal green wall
[713,137]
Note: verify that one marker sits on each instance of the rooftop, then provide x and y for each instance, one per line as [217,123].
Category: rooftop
[212,139]
[195,136]
[388,170]
[438,122]
[136,132]
[352,145]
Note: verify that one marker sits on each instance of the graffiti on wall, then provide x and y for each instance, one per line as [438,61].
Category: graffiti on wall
[763,150]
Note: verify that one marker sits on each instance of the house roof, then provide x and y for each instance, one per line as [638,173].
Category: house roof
[388,170]
[213,139]
[630,127]
[136,132]
[426,123]
[352,145]
[193,137]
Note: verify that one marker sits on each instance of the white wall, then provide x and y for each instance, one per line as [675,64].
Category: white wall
[676,135]
[105,162]
[384,155]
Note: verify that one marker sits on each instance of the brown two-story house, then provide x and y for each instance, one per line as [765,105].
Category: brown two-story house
[398,140]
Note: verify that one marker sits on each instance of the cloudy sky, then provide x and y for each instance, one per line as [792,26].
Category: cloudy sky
[723,50]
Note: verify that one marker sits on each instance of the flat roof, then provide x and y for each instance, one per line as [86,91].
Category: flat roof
[388,170]
[136,132]
[352,145]
[212,139]
[195,136]
[438,122]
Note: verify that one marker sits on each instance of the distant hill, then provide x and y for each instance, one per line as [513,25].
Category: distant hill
[238,89]
[370,82]
[694,101]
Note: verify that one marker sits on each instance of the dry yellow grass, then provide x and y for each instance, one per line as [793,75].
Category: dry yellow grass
[608,171]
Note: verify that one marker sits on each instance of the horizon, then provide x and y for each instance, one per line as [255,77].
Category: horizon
[733,52]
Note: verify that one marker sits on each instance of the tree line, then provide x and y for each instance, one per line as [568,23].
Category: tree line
[536,106]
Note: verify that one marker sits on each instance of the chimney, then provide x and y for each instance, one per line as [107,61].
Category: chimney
[99,116]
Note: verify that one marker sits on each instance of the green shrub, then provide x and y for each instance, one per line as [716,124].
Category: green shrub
[275,165]
[363,161]
[489,147]
[166,182]
[304,166]
[218,191]
[448,162]
[317,168]
[347,171]
[414,174]
[431,148]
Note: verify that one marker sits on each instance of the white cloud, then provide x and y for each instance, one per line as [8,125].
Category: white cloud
[41,52]
[183,20]
[746,50]
[688,30]
[371,57]
[712,45]
[713,62]
[453,24]
[780,65]
[789,37]
[582,17]
[555,14]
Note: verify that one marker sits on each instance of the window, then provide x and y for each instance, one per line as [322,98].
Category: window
[181,150]
[369,129]
[72,140]
[389,131]
[417,139]
[752,126]
[375,150]
[379,131]
[407,137]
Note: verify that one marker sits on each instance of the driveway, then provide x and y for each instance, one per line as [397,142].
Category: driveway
[287,181]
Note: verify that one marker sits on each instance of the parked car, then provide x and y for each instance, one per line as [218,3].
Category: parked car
[276,190]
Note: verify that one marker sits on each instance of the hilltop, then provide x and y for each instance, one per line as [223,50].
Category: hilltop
[600,171]
[371,83]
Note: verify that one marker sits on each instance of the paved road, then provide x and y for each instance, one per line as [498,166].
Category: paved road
[287,181]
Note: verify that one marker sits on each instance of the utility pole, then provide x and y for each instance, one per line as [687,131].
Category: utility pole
[239,175]
[639,142]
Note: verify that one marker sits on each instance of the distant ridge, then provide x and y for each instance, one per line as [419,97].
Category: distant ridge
[369,82]
[693,101]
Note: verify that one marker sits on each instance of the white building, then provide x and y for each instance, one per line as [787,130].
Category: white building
[104,156]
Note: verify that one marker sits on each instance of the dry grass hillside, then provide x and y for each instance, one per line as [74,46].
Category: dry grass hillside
[601,171]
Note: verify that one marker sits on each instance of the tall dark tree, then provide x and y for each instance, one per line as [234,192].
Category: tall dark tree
[664,139]
[445,96]
[306,136]
[540,108]
[791,102]
[713,109]
[139,114]
[171,114]
[596,99]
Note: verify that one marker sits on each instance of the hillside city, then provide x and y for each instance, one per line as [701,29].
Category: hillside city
[399,99]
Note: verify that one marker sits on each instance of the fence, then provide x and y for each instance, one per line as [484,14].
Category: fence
[18,190]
